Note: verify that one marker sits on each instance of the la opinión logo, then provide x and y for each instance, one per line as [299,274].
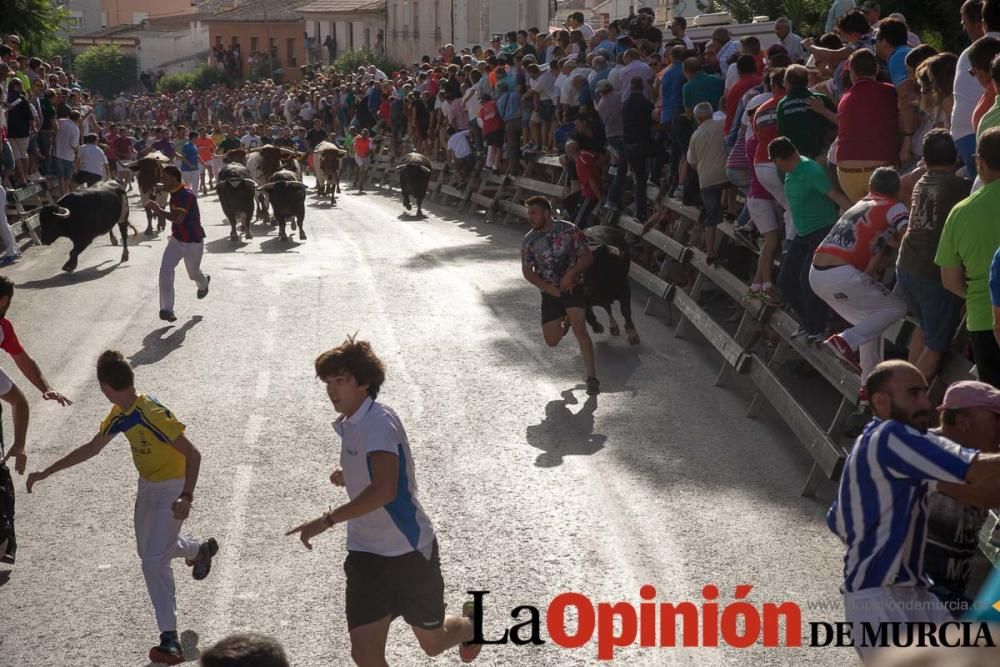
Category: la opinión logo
[651,624]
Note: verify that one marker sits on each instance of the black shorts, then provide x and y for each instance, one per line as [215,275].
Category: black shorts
[410,586]
[495,138]
[554,307]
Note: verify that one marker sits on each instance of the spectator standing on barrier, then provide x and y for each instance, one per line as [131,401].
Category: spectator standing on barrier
[965,253]
[814,206]
[587,199]
[637,137]
[609,108]
[678,28]
[981,56]
[700,87]
[509,106]
[66,147]
[554,257]
[186,240]
[707,156]
[847,266]
[880,510]
[746,68]
[807,119]
[936,309]
[970,416]
[392,566]
[977,21]
[868,122]
[765,129]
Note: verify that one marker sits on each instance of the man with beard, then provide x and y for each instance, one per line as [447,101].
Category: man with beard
[880,510]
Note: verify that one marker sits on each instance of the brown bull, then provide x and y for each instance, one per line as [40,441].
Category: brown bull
[262,163]
[147,174]
[326,164]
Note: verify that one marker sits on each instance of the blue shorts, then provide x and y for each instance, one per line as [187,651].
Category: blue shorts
[63,168]
[711,205]
[936,309]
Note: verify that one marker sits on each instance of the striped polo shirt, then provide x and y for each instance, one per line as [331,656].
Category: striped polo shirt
[189,229]
[880,510]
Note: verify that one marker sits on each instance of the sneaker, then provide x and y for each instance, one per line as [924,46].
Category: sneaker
[845,354]
[755,292]
[799,333]
[678,192]
[168,652]
[168,316]
[7,260]
[816,338]
[466,651]
[202,565]
[593,386]
[202,293]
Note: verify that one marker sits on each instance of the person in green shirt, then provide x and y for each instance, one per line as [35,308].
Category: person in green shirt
[700,87]
[806,117]
[969,240]
[815,206]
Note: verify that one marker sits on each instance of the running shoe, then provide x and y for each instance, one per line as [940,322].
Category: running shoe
[593,386]
[168,316]
[845,354]
[202,293]
[466,651]
[799,333]
[7,260]
[202,565]
[816,338]
[168,652]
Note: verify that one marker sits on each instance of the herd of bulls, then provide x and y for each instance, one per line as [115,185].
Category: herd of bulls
[269,178]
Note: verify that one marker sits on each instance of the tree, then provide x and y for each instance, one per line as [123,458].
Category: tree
[34,21]
[106,70]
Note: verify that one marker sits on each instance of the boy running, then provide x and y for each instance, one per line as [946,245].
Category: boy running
[168,466]
[554,257]
[392,563]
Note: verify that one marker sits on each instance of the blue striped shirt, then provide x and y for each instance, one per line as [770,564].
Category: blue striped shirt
[880,510]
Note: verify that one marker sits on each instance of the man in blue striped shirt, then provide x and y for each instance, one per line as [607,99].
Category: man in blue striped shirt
[880,510]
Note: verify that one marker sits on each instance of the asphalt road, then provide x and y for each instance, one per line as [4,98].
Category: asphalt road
[533,489]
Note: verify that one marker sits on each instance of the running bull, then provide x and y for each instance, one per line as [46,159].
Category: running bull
[237,193]
[414,175]
[288,198]
[263,162]
[84,215]
[147,174]
[326,164]
[607,281]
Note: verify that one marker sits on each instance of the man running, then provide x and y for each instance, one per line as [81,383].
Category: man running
[554,257]
[12,395]
[168,466]
[392,564]
[185,242]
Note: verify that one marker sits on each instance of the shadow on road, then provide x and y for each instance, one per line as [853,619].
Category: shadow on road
[565,433]
[406,215]
[274,245]
[156,346]
[74,278]
[224,245]
[474,252]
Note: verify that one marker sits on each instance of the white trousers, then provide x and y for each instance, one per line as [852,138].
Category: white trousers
[158,541]
[192,179]
[769,177]
[890,604]
[172,255]
[862,301]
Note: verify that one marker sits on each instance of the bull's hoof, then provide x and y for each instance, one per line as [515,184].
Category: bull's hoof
[149,231]
[614,330]
[125,256]
[420,212]
[597,327]
[69,267]
[234,237]
[632,337]
[114,241]
[248,234]
[282,237]
[302,234]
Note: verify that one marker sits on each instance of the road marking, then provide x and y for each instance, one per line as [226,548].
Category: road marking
[232,540]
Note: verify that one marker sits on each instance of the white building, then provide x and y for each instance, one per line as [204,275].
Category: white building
[171,44]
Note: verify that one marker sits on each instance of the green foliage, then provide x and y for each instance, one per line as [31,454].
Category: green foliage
[176,82]
[351,60]
[202,78]
[35,21]
[106,70]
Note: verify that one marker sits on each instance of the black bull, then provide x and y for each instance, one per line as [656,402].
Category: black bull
[607,280]
[413,180]
[84,215]
[237,192]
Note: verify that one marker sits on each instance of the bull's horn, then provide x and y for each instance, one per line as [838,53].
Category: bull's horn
[267,187]
[250,181]
[298,184]
[400,166]
[61,212]
[425,170]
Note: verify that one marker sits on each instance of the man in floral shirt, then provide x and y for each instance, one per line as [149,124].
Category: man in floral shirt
[554,257]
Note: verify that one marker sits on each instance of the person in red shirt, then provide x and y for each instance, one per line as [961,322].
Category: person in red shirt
[588,173]
[362,149]
[492,131]
[12,395]
[206,150]
[746,67]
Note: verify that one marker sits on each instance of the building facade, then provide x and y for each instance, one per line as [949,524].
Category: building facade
[263,27]
[118,12]
[353,24]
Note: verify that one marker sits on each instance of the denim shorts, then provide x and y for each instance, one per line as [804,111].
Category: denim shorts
[936,309]
[64,168]
[711,202]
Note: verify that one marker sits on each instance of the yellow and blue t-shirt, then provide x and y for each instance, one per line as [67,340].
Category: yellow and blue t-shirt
[150,428]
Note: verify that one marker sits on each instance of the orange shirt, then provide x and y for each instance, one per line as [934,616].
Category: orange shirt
[984,104]
[362,145]
[206,148]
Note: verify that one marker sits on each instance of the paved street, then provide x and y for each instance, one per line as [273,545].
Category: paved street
[533,489]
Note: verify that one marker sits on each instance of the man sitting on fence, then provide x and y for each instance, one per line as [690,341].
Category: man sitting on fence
[848,263]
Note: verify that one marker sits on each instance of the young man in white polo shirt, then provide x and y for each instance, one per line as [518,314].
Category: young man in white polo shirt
[392,563]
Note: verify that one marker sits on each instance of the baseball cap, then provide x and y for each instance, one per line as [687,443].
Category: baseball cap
[869,6]
[970,394]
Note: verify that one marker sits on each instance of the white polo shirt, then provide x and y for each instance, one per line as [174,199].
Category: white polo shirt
[401,526]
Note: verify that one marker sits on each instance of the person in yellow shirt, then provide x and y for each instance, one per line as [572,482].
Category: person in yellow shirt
[168,466]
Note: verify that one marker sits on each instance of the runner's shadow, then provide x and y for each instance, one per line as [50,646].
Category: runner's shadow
[156,346]
[565,433]
[4,577]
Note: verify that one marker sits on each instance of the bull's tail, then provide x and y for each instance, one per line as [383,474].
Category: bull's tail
[135,232]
